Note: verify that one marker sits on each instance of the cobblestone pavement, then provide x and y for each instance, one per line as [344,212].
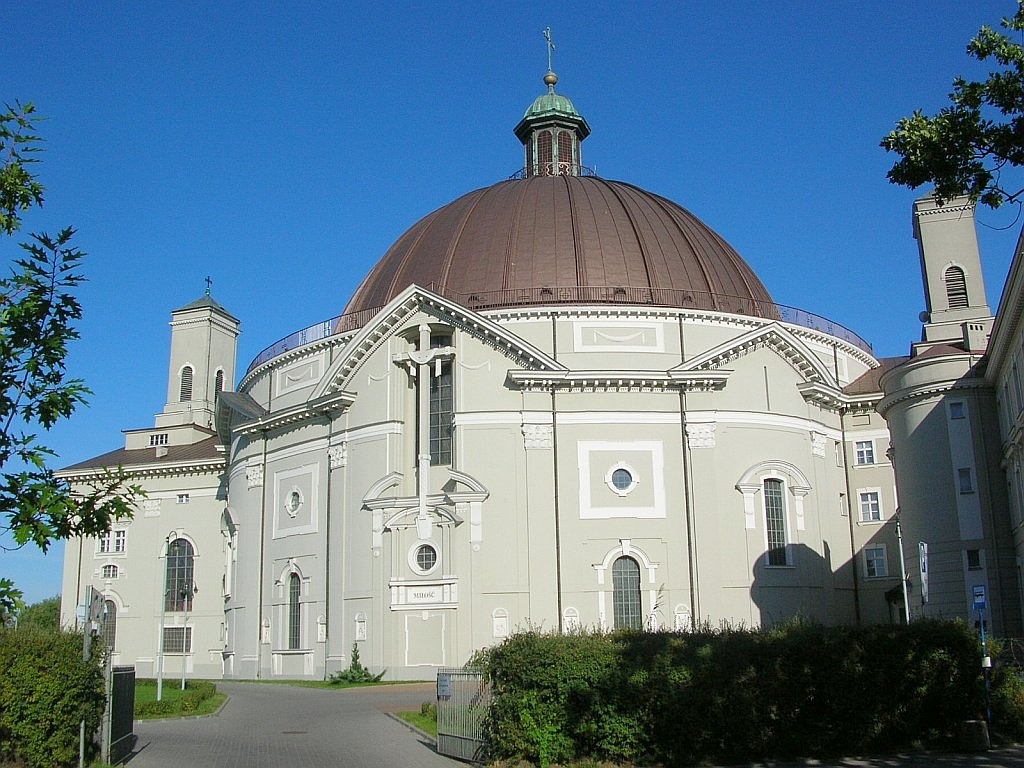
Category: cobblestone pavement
[279,726]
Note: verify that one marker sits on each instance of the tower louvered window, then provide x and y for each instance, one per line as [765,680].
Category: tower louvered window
[956,288]
[544,158]
[565,158]
[185,393]
[218,384]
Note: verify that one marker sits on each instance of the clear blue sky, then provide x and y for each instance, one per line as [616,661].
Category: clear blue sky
[280,148]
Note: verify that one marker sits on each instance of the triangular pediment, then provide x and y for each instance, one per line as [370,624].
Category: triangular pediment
[415,299]
[773,336]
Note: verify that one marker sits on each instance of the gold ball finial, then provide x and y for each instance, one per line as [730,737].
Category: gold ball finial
[550,79]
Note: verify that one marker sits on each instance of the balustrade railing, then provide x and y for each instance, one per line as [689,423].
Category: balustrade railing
[515,297]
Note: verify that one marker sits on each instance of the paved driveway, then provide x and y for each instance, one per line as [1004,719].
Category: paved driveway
[279,726]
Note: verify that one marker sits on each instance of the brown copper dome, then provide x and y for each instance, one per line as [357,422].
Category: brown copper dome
[549,240]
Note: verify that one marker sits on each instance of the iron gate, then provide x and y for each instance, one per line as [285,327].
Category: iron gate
[463,697]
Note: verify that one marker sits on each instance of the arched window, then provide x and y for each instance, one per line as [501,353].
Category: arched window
[185,393]
[626,594]
[956,288]
[442,406]
[180,575]
[108,627]
[294,590]
[109,571]
[775,520]
[218,384]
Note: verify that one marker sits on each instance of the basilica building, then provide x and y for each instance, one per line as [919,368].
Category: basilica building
[558,402]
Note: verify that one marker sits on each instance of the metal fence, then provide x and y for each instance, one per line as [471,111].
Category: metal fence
[463,697]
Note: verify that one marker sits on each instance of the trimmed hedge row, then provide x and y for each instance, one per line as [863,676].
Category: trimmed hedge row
[728,695]
[46,690]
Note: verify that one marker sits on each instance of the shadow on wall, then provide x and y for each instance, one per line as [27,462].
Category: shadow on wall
[795,581]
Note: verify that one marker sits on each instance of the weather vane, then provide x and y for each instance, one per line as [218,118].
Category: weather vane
[551,46]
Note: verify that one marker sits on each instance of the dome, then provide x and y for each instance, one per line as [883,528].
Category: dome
[561,239]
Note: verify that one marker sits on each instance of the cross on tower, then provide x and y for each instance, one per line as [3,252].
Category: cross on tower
[209,285]
[551,45]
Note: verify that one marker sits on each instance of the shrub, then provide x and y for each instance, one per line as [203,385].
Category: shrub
[46,690]
[356,672]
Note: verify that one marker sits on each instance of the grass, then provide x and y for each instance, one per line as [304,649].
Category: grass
[425,718]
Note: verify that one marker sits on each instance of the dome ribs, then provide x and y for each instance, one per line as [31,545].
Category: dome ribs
[566,239]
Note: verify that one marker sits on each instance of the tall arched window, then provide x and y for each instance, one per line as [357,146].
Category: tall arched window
[180,575]
[442,406]
[626,607]
[185,392]
[294,615]
[218,384]
[775,520]
[108,629]
[956,288]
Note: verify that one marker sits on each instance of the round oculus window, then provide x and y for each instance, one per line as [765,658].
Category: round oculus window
[292,502]
[621,479]
[426,557]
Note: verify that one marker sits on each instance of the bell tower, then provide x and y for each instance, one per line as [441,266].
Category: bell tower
[204,343]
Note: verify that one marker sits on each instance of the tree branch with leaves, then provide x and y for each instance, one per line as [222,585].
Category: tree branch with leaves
[968,146]
[38,312]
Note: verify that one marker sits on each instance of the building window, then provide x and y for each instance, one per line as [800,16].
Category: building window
[865,451]
[294,590]
[177,639]
[185,392]
[964,480]
[179,576]
[442,410]
[956,288]
[875,565]
[775,521]
[956,410]
[183,498]
[113,541]
[160,439]
[870,507]
[973,559]
[627,613]
[108,625]
[218,384]
[565,159]
[109,571]
[621,478]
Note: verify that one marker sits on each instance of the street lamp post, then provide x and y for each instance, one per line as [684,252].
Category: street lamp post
[188,590]
[172,536]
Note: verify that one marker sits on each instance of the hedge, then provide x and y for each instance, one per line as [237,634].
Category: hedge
[46,690]
[727,695]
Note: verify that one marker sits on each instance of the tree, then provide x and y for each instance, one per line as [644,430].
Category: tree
[44,615]
[965,148]
[38,310]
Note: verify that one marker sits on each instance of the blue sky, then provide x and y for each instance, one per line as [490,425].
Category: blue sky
[281,148]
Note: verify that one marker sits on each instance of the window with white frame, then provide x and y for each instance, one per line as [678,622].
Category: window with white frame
[177,639]
[626,604]
[775,521]
[875,563]
[183,498]
[113,541]
[160,439]
[294,612]
[865,451]
[870,506]
[964,480]
[109,571]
